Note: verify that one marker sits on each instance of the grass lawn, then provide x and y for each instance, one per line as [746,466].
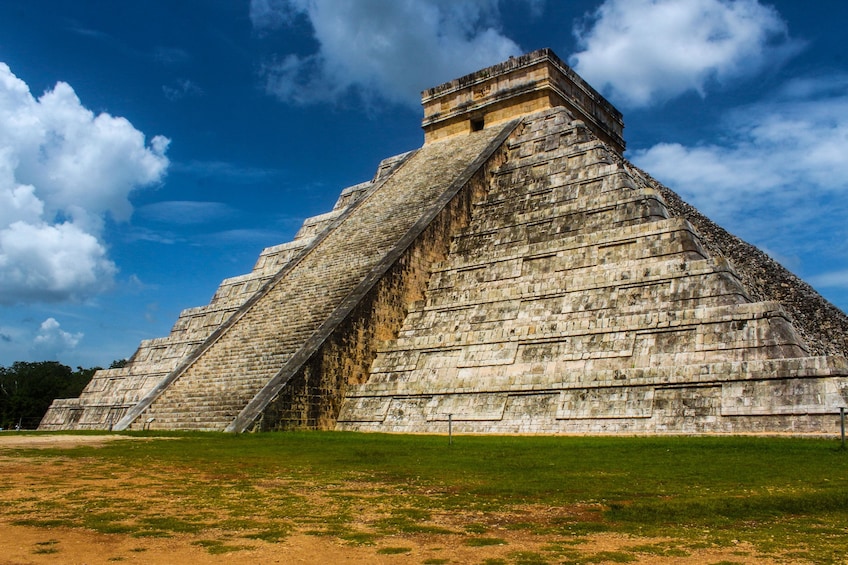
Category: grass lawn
[786,497]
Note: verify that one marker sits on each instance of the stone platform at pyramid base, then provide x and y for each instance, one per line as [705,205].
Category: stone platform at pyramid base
[794,396]
[77,414]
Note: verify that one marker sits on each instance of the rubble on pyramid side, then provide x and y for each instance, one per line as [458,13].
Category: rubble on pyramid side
[823,326]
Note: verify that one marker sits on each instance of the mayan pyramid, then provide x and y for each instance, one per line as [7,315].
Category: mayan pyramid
[513,275]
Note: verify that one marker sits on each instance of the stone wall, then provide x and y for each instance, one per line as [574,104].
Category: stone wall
[823,326]
[576,301]
[517,87]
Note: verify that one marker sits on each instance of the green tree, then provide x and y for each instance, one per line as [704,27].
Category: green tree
[27,389]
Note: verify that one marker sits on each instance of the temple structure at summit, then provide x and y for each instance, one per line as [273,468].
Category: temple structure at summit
[515,274]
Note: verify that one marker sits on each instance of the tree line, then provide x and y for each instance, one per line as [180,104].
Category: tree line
[28,388]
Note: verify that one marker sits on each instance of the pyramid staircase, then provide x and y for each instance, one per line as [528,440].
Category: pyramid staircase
[269,338]
[112,392]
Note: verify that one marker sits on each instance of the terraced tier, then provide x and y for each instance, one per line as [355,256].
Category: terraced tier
[573,269]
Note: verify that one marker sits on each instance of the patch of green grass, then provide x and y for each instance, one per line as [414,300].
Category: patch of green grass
[46,547]
[781,495]
[435,561]
[108,523]
[661,549]
[612,557]
[271,535]
[45,522]
[360,538]
[173,524]
[719,509]
[215,547]
[573,557]
[562,551]
[408,521]
[394,550]
[416,514]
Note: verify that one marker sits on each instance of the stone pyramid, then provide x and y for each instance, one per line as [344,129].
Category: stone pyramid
[513,275]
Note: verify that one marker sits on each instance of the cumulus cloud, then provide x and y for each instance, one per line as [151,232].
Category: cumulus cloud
[799,138]
[43,262]
[381,49]
[641,52]
[52,340]
[783,158]
[63,170]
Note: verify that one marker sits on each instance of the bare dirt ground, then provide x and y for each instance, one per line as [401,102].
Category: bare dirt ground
[12,441]
[21,545]
[25,545]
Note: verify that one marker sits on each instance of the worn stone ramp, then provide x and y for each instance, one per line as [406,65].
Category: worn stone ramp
[260,342]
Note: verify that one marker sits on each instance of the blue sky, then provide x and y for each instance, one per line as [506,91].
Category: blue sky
[149,150]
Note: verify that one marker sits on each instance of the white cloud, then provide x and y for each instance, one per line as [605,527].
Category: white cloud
[384,49]
[781,170]
[645,51]
[798,139]
[832,279]
[63,169]
[43,262]
[272,14]
[52,340]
